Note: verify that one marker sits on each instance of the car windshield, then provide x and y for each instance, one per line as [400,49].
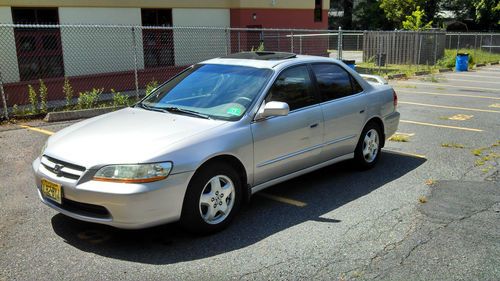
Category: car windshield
[210,90]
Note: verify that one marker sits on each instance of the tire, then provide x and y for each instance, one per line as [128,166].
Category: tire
[212,199]
[369,146]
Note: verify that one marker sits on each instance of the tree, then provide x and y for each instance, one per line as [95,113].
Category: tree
[415,21]
[368,15]
[478,14]
[396,11]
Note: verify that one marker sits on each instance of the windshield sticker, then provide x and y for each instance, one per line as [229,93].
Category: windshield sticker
[234,111]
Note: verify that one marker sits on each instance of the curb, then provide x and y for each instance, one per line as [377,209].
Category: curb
[480,64]
[78,114]
[420,73]
[494,63]
[445,70]
[396,76]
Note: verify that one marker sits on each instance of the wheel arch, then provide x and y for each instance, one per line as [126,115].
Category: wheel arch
[377,120]
[234,162]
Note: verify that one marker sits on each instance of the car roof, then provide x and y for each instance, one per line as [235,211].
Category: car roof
[270,60]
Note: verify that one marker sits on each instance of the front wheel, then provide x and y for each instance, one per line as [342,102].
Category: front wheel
[368,149]
[212,199]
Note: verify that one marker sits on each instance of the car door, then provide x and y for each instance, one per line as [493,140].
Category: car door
[343,106]
[285,144]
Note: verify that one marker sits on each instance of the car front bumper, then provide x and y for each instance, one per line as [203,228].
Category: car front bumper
[128,206]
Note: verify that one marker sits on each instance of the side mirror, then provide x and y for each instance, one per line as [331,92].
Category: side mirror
[273,108]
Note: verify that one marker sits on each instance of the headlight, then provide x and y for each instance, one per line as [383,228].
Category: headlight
[135,173]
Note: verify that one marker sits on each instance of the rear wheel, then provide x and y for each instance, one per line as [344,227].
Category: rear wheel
[369,147]
[212,199]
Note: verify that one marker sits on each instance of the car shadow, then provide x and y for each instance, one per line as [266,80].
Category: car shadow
[324,190]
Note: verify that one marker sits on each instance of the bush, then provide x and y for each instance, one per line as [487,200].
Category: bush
[68,92]
[151,86]
[33,98]
[89,99]
[120,99]
[475,56]
[43,96]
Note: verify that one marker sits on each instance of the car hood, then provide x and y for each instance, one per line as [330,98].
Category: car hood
[130,135]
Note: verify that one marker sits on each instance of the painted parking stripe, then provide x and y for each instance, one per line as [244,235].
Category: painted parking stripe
[405,153]
[283,199]
[451,95]
[46,132]
[440,126]
[452,86]
[472,81]
[474,75]
[449,107]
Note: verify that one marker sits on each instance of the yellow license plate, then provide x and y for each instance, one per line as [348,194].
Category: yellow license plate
[52,190]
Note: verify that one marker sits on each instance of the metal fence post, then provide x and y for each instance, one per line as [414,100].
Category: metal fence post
[136,77]
[435,47]
[339,44]
[475,44]
[419,47]
[300,45]
[491,41]
[458,42]
[4,102]
[239,42]
[227,40]
[291,41]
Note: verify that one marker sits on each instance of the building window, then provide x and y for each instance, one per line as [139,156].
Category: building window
[318,12]
[39,51]
[158,43]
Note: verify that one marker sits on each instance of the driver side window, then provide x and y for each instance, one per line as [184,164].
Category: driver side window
[294,87]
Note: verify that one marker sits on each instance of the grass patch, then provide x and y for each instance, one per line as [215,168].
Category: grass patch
[452,145]
[409,70]
[399,138]
[475,57]
[477,151]
[430,182]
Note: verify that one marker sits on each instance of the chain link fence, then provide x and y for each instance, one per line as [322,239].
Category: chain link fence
[55,67]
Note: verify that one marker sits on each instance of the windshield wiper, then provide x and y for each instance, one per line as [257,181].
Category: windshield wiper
[152,108]
[173,109]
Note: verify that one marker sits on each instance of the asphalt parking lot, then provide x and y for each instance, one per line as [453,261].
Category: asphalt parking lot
[430,209]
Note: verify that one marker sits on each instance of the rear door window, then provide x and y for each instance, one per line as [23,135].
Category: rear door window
[334,82]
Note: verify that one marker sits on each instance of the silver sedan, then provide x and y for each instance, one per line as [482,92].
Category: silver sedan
[203,142]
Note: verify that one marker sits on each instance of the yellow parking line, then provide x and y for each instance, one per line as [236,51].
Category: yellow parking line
[449,107]
[474,76]
[283,199]
[406,153]
[37,130]
[472,81]
[440,126]
[452,86]
[451,95]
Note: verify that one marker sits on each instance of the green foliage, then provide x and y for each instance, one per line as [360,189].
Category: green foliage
[151,86]
[33,98]
[89,99]
[415,21]
[16,111]
[120,99]
[475,56]
[68,91]
[397,10]
[260,48]
[43,96]
[368,15]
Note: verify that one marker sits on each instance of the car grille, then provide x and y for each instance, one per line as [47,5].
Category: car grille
[62,169]
[84,209]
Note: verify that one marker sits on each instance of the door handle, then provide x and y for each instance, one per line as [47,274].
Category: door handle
[313,125]
[362,111]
